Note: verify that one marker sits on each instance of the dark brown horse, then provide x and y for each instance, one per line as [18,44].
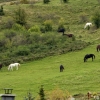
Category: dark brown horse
[61,68]
[69,35]
[98,48]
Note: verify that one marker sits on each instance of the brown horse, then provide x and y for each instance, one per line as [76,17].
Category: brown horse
[98,47]
[69,35]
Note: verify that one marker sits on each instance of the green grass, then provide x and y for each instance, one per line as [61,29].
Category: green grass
[78,77]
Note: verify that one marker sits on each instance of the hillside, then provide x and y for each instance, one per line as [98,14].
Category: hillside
[27,44]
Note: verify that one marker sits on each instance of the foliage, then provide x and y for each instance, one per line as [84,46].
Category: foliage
[41,93]
[34,28]
[1,11]
[48,25]
[65,1]
[20,16]
[24,1]
[29,96]
[46,1]
[61,24]
[58,94]
[6,23]
[96,18]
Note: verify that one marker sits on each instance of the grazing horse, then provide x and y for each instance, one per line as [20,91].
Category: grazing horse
[98,48]
[61,30]
[69,35]
[61,68]
[89,56]
[87,25]
[0,66]
[11,66]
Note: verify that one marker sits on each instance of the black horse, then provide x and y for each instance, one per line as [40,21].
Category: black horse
[61,30]
[98,48]
[89,56]
[61,68]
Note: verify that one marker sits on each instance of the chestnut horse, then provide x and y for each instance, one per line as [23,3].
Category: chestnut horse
[98,47]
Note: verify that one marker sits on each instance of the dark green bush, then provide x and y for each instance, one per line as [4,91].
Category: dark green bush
[96,19]
[46,1]
[65,1]
[1,11]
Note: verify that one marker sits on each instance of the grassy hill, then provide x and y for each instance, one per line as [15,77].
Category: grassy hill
[78,77]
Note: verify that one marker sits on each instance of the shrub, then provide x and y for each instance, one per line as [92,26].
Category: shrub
[29,96]
[18,27]
[46,1]
[22,51]
[1,11]
[20,16]
[65,1]
[24,1]
[34,29]
[6,22]
[48,25]
[96,19]
[58,94]
[41,93]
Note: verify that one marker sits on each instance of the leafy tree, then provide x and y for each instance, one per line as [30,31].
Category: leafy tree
[20,16]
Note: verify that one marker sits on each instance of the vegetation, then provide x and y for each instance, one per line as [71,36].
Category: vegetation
[29,33]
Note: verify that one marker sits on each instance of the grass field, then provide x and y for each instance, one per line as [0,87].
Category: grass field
[78,77]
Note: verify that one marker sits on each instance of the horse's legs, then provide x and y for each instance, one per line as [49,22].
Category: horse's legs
[16,67]
[92,58]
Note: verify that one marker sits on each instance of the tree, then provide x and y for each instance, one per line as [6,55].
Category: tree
[96,19]
[41,93]
[1,11]
[20,16]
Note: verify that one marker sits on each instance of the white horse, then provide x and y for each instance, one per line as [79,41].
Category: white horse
[87,25]
[11,66]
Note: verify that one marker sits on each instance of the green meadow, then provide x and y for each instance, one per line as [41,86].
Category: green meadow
[78,77]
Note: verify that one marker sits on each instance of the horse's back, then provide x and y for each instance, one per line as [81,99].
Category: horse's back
[87,24]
